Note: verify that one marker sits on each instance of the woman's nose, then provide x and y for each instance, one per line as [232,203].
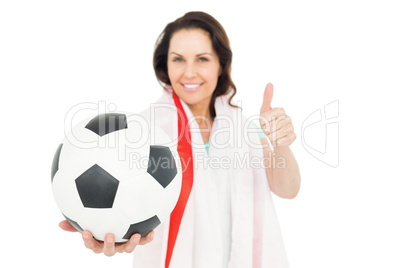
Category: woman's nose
[190,71]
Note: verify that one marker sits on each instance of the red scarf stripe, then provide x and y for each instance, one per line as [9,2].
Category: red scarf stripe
[186,155]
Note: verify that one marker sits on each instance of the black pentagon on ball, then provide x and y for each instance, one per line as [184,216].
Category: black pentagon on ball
[55,164]
[74,224]
[97,188]
[142,228]
[161,165]
[107,123]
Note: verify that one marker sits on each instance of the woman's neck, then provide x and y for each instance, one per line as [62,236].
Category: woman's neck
[201,113]
[204,120]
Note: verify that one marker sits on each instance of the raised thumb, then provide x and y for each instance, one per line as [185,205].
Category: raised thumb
[268,94]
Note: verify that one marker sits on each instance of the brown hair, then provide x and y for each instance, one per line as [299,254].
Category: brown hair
[220,43]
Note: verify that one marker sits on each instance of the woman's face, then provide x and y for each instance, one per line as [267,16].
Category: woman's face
[193,66]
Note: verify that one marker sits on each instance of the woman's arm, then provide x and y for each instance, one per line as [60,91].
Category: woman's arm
[282,171]
[280,164]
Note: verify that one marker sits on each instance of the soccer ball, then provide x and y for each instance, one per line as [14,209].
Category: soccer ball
[114,174]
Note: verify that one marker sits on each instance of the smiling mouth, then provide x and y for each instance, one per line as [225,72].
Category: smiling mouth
[191,87]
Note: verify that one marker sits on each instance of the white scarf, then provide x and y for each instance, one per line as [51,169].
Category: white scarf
[252,233]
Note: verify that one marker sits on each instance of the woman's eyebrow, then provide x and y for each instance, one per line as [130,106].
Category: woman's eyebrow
[204,53]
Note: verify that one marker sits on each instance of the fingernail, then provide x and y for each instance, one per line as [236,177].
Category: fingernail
[85,236]
[137,239]
[110,239]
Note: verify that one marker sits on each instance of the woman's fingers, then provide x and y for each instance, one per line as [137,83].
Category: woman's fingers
[130,245]
[285,141]
[278,127]
[148,238]
[91,243]
[66,226]
[110,248]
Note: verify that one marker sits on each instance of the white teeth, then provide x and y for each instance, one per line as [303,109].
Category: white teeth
[192,86]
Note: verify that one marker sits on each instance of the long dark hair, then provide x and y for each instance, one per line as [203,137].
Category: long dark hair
[220,43]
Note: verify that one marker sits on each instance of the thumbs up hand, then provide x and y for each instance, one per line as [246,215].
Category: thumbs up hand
[276,125]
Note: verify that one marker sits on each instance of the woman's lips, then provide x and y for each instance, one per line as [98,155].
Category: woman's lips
[191,87]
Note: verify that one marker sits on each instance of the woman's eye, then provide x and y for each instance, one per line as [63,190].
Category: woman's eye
[203,59]
[177,59]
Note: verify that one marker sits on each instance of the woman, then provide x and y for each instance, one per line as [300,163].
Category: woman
[225,216]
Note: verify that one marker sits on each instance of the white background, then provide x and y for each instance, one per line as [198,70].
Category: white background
[57,54]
